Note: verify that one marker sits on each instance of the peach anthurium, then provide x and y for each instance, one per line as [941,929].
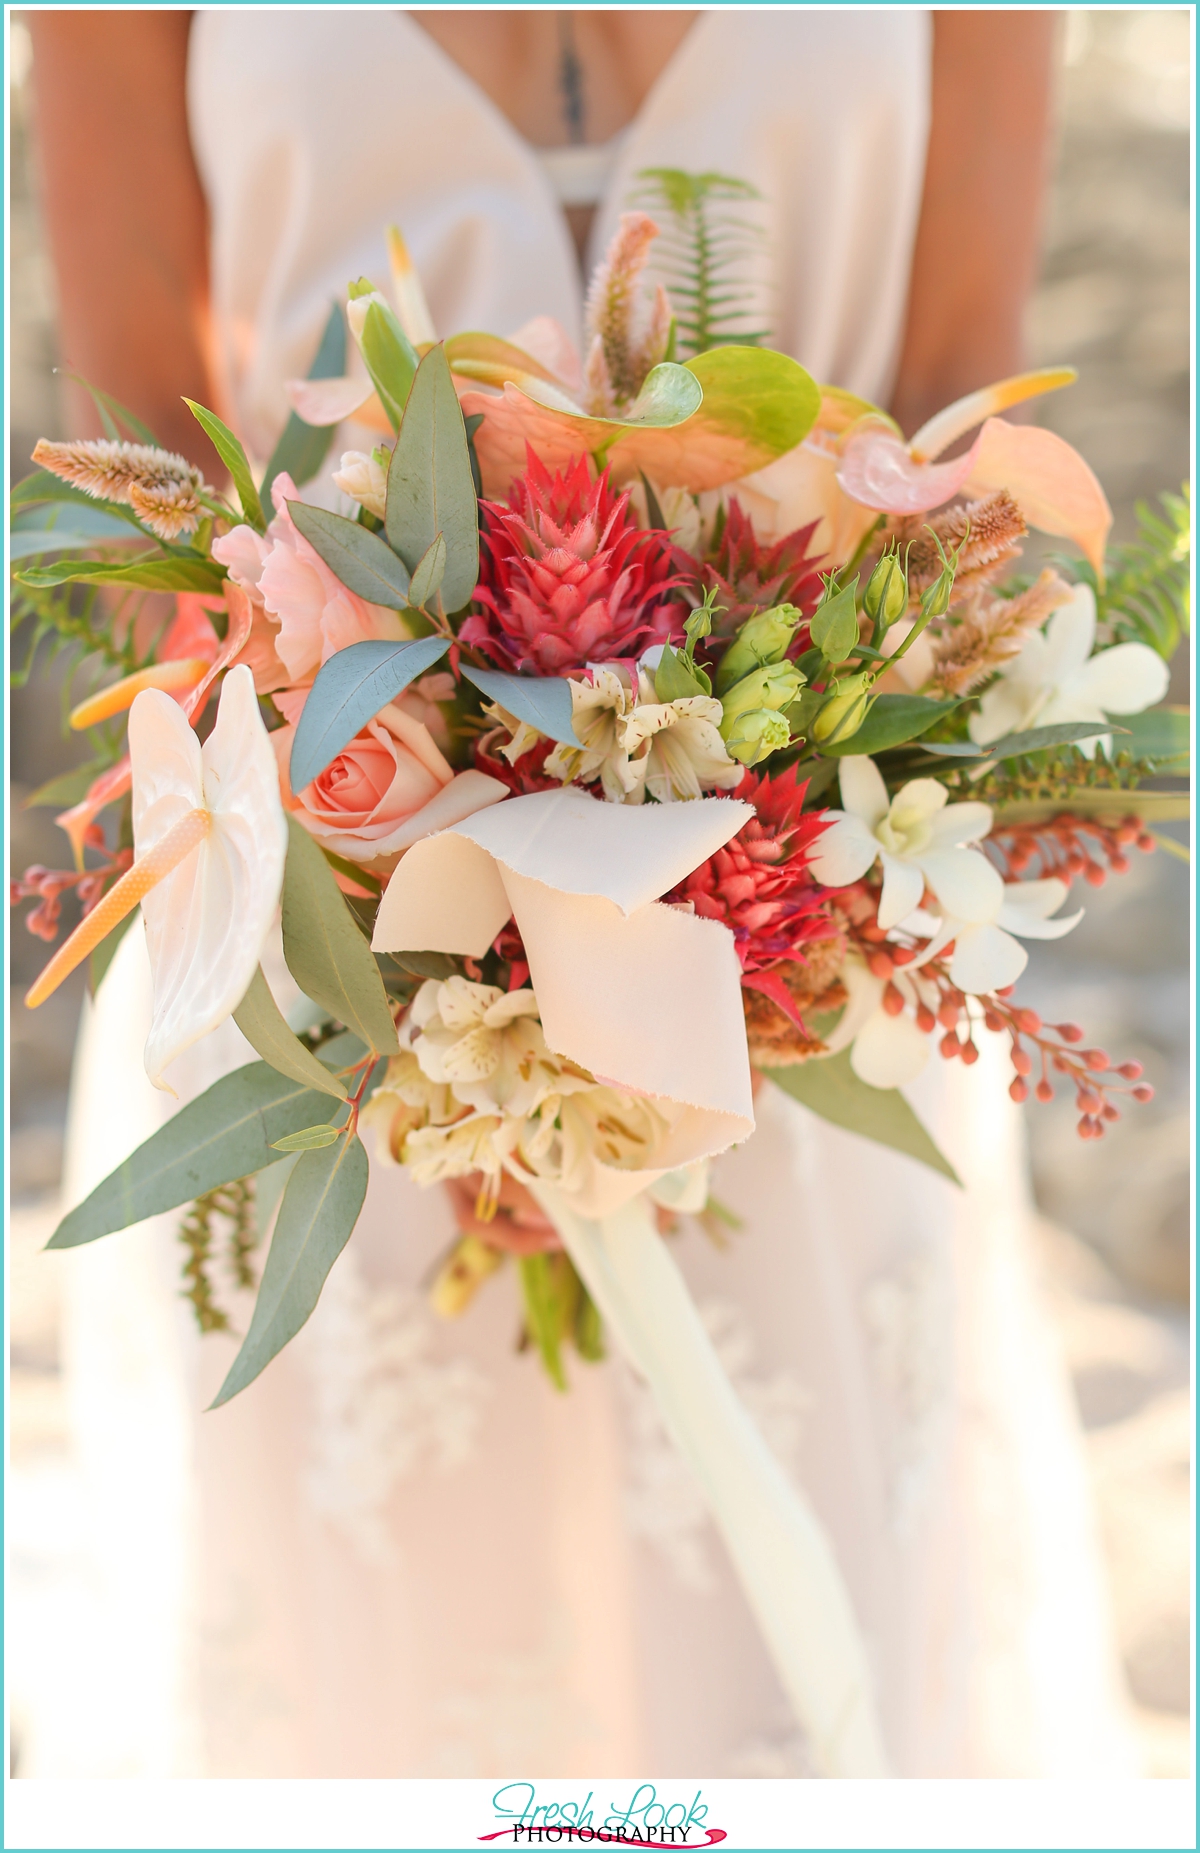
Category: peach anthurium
[210,840]
[1050,482]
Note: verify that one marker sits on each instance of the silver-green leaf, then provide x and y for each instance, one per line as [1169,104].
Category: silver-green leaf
[431,490]
[320,1207]
[326,954]
[262,1023]
[429,572]
[828,1086]
[233,456]
[361,560]
[349,691]
[312,1139]
[543,701]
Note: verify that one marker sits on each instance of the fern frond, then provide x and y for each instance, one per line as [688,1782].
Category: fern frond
[1146,597]
[708,248]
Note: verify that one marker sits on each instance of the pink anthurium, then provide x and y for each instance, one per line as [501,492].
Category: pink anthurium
[210,839]
[1049,481]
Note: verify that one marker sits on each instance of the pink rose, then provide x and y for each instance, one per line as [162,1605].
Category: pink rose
[315,613]
[386,789]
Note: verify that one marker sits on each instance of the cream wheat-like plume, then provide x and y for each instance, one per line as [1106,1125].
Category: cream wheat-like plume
[162,488]
[991,631]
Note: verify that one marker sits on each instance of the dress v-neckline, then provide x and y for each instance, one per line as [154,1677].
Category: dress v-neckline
[530,151]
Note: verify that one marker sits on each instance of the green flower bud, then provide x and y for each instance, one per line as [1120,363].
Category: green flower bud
[757,734]
[937,598]
[773,686]
[845,712]
[886,596]
[762,639]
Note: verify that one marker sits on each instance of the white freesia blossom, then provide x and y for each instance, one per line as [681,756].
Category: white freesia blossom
[1056,679]
[986,957]
[918,837]
[669,749]
[363,478]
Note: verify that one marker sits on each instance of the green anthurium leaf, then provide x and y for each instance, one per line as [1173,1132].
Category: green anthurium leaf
[429,571]
[757,404]
[1162,734]
[391,359]
[487,358]
[263,1025]
[891,720]
[153,573]
[312,1139]
[320,1207]
[362,561]
[543,701]
[431,490]
[326,954]
[1032,740]
[828,1086]
[674,681]
[233,456]
[303,448]
[225,1134]
[350,689]
[1151,806]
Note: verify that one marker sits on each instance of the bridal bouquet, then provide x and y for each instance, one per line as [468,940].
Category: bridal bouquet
[629,730]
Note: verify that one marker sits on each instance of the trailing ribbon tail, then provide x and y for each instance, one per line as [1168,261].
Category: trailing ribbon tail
[783,1559]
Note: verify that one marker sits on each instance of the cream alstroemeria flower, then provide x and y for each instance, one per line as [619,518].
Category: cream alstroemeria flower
[210,840]
[918,837]
[986,957]
[487,1046]
[669,749]
[1056,679]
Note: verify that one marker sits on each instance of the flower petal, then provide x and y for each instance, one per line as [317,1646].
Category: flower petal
[986,959]
[918,802]
[1070,636]
[878,470]
[1007,707]
[888,1051]
[1028,905]
[207,921]
[903,886]
[1125,679]
[961,823]
[966,884]
[1051,484]
[844,852]
[863,790]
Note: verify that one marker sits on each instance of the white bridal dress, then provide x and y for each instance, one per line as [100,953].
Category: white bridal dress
[400,1552]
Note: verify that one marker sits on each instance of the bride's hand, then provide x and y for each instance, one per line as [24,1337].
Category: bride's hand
[518,1226]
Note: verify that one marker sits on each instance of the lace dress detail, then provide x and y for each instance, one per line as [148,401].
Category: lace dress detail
[385,1405]
[909,1316]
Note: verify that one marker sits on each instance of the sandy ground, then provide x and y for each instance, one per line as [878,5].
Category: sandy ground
[1114,300]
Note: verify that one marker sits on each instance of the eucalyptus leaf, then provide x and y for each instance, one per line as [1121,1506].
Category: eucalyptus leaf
[162,573]
[303,448]
[350,689]
[312,1139]
[263,1025]
[226,1133]
[1032,740]
[543,701]
[829,1087]
[429,572]
[320,1207]
[326,954]
[891,720]
[430,489]
[361,560]
[233,456]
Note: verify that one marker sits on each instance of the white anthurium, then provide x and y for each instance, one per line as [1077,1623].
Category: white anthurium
[210,842]
[885,1050]
[1056,679]
[986,956]
[918,837]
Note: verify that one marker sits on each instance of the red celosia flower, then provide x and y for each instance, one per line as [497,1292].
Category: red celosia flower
[749,576]
[758,885]
[568,577]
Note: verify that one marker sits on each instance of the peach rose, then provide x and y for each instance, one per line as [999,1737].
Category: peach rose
[390,786]
[310,613]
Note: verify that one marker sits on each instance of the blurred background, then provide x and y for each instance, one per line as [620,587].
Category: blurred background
[1114,300]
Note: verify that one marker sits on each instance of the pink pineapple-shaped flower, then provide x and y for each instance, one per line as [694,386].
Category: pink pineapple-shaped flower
[568,577]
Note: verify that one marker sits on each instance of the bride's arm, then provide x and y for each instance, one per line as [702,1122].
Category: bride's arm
[977,239]
[126,214]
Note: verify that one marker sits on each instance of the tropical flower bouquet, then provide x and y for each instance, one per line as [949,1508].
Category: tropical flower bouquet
[631,729]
